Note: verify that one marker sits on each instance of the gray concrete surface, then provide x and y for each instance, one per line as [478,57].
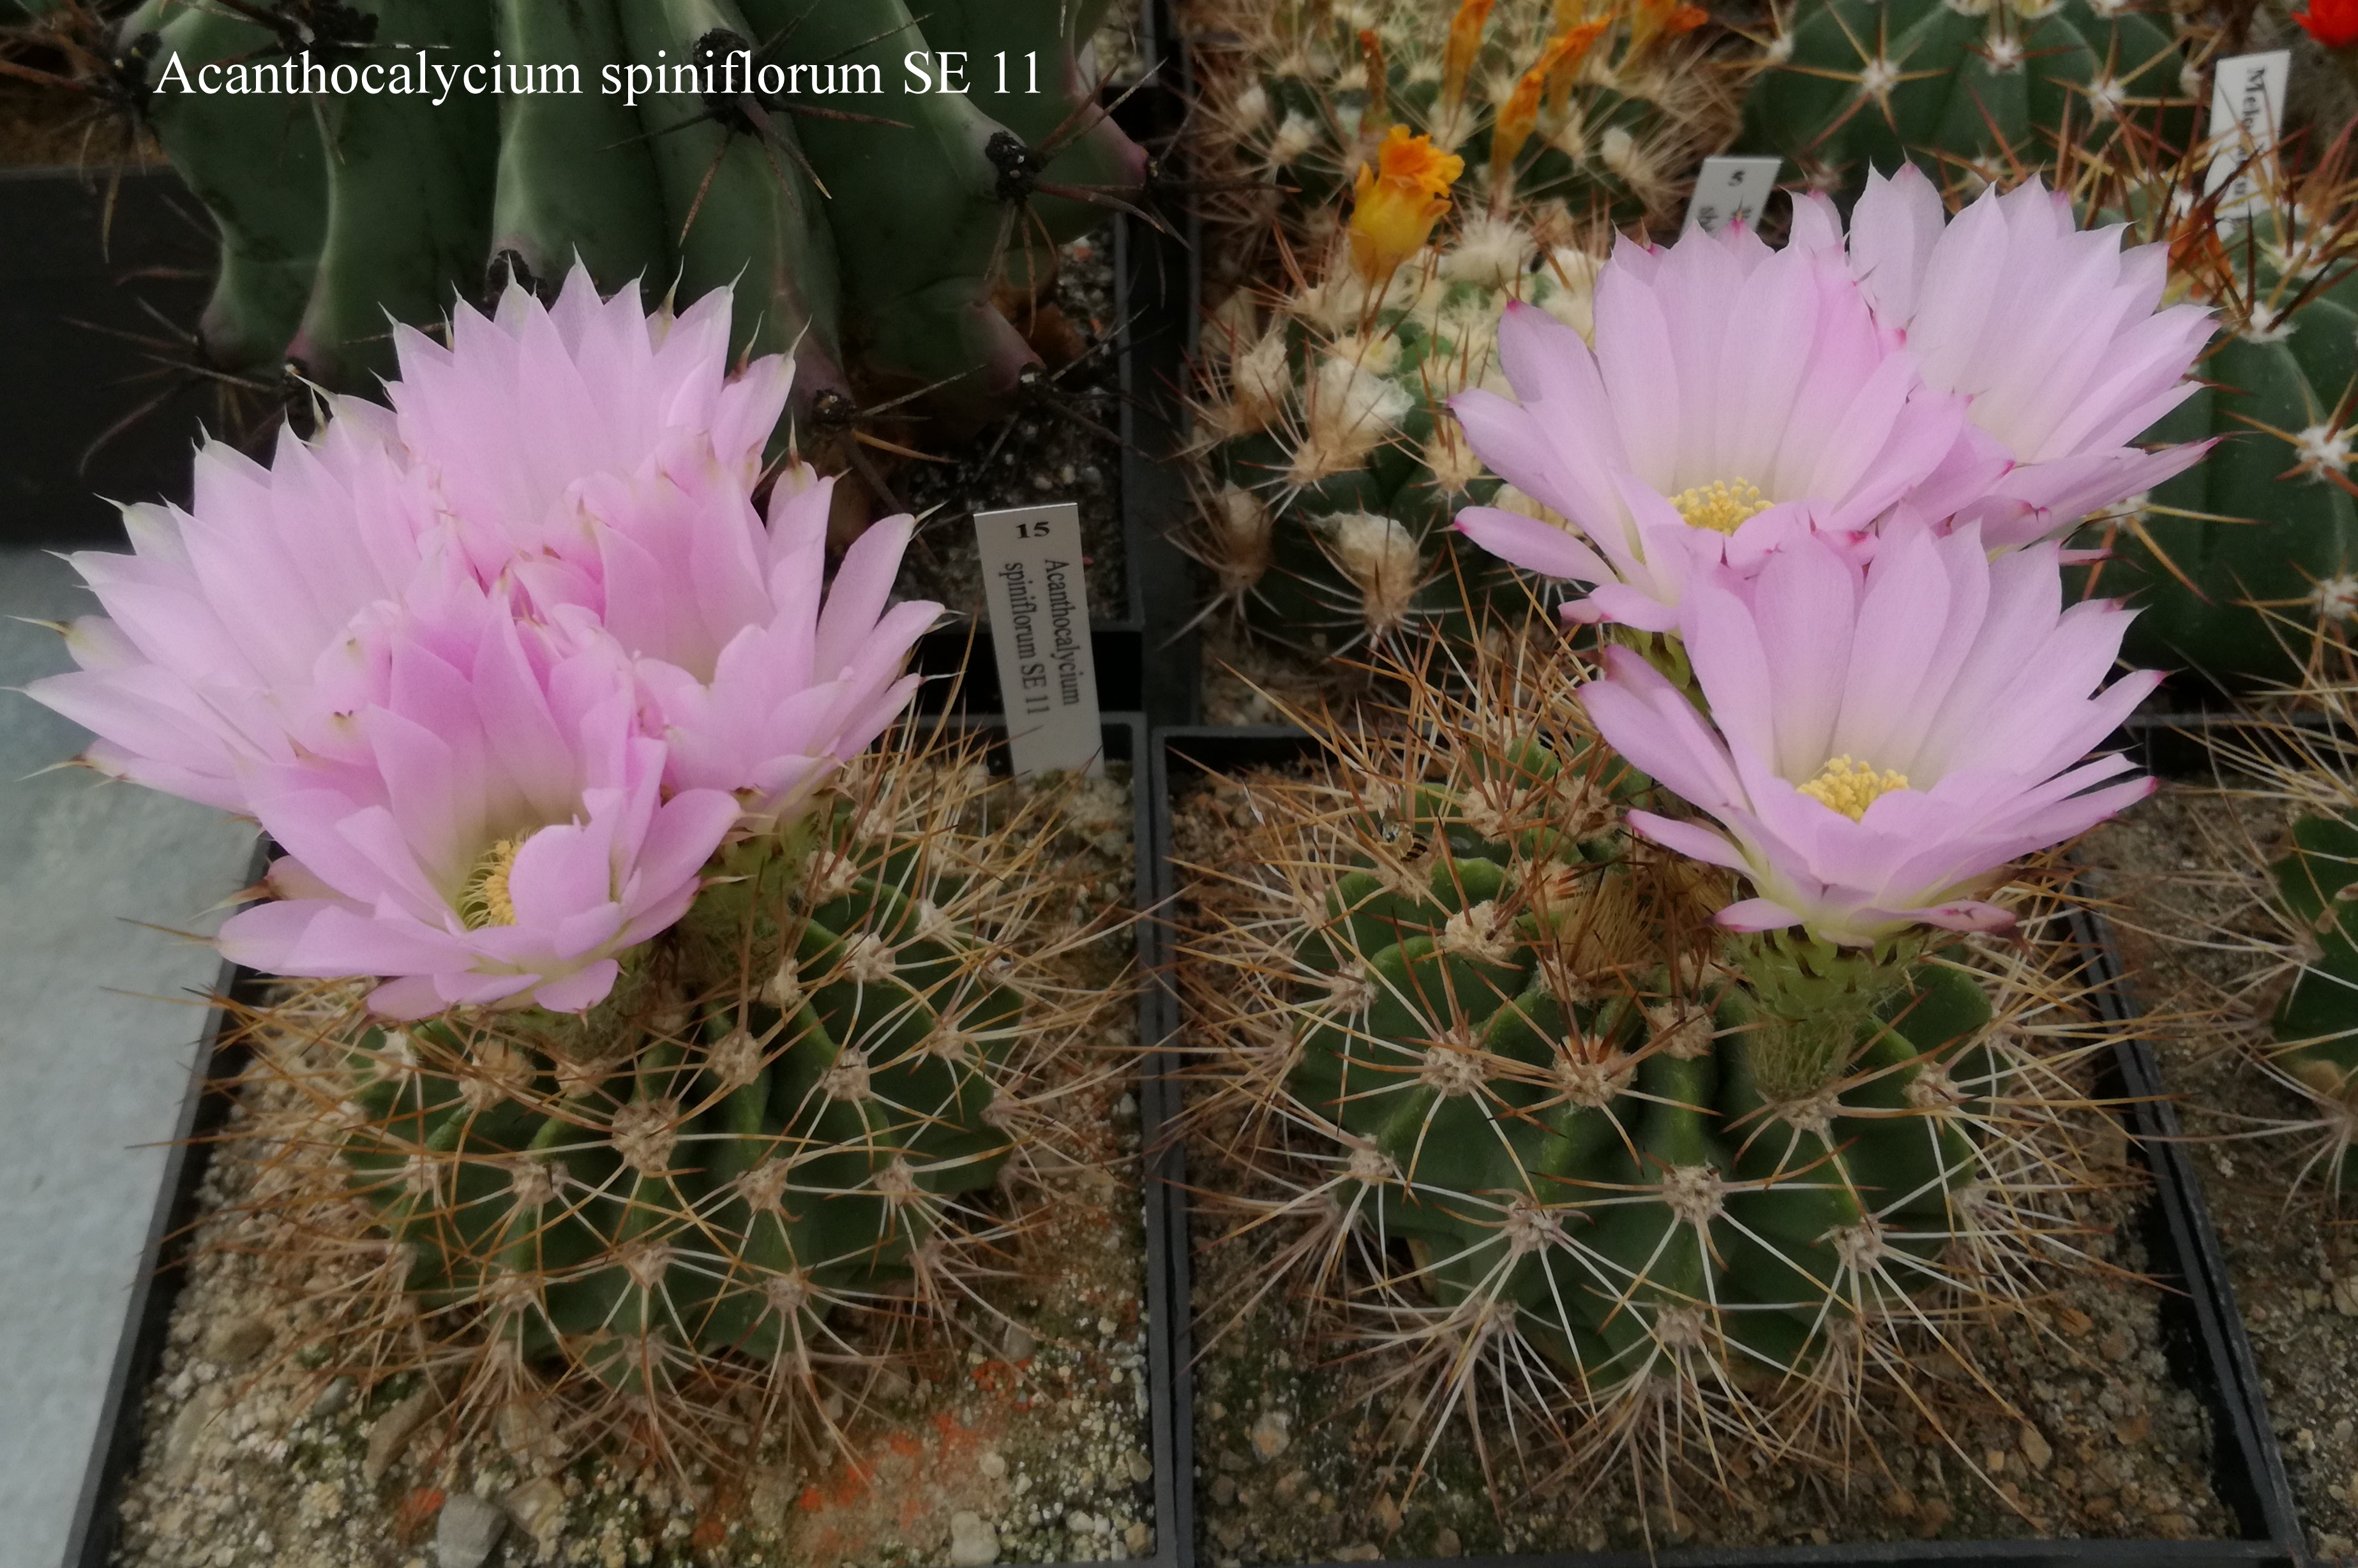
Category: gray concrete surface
[98,1025]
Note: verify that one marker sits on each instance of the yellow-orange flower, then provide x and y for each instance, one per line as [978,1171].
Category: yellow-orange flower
[1395,204]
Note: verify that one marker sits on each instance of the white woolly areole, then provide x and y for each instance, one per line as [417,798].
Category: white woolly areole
[1381,559]
[736,1058]
[2321,449]
[2337,598]
[1350,412]
[868,958]
[1528,1227]
[1695,1194]
[1492,252]
[847,1079]
[645,1133]
[1479,933]
[763,1187]
[1684,1032]
[1349,989]
[1455,1064]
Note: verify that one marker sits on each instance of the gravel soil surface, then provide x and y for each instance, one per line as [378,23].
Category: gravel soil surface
[2185,876]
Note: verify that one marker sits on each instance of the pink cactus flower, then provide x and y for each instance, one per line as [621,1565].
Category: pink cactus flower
[1738,397]
[526,404]
[502,665]
[1881,741]
[2052,334]
[499,838]
[249,628]
[758,689]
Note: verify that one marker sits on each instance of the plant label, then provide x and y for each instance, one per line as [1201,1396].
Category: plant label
[1033,584]
[1731,189]
[2247,98]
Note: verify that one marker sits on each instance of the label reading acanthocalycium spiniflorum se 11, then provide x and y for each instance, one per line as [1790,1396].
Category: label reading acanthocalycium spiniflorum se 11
[1032,580]
[2247,98]
[1729,188]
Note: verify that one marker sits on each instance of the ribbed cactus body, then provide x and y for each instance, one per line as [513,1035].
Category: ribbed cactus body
[1970,94]
[2234,563]
[1532,1080]
[764,1123]
[257,162]
[2316,1024]
[864,226]
[1332,465]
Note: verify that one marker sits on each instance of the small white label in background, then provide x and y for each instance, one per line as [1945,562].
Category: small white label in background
[2248,97]
[1730,188]
[1032,580]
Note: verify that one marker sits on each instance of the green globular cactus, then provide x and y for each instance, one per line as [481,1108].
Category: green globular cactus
[1298,95]
[2316,1024]
[1619,1162]
[1451,1003]
[1972,94]
[788,1109]
[2238,564]
[1329,467]
[866,226]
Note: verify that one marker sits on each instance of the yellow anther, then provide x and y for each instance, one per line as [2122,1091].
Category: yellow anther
[484,897]
[1720,506]
[1850,786]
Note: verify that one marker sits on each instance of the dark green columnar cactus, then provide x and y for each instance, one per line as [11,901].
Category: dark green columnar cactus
[2316,1024]
[1972,95]
[872,229]
[1330,468]
[1495,1059]
[782,1112]
[2237,563]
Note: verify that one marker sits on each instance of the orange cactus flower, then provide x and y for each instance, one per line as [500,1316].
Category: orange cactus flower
[1395,204]
[1555,65]
[1653,22]
[2334,23]
[1458,56]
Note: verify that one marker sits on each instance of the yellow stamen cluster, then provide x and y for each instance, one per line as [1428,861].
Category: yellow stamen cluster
[1850,786]
[1720,506]
[484,897]
[1395,205]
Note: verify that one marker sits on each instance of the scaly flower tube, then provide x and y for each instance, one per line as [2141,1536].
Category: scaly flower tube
[499,839]
[1881,741]
[1738,397]
[2053,335]
[1395,204]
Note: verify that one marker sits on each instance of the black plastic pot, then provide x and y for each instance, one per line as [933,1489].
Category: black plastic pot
[121,1434]
[2204,1339]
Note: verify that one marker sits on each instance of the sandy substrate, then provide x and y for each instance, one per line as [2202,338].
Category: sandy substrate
[2185,873]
